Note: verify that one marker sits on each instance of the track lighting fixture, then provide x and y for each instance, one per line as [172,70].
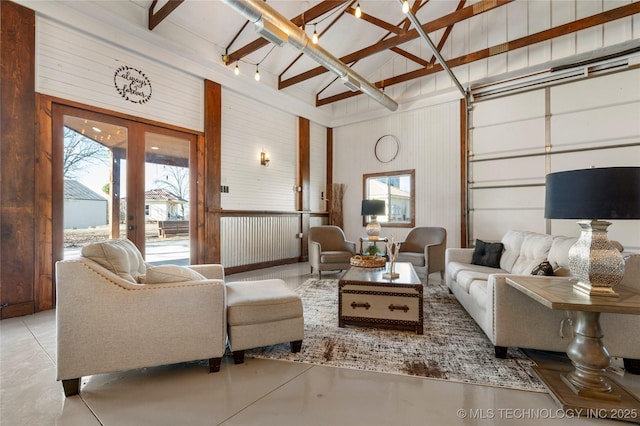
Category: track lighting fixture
[314,39]
[358,10]
[405,6]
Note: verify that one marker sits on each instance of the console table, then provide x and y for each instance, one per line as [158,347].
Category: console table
[375,241]
[586,386]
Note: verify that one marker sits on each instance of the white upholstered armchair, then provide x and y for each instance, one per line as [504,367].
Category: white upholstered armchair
[329,250]
[425,246]
[134,315]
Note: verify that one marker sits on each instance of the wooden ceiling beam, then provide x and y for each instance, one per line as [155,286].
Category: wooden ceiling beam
[436,24]
[309,15]
[443,40]
[377,22]
[331,24]
[446,34]
[560,30]
[156,17]
[410,56]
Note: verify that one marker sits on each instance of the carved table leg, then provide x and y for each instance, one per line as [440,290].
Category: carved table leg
[590,359]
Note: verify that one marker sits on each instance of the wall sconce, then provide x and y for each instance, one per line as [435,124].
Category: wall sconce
[264,159]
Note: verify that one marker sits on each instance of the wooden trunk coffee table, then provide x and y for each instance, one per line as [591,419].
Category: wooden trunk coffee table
[366,298]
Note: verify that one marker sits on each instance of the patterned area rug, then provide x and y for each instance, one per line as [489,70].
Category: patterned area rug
[452,348]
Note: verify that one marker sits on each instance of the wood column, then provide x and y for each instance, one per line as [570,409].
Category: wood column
[211,169]
[17,160]
[329,170]
[464,185]
[303,201]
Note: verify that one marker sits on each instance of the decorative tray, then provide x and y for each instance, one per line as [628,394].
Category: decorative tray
[368,261]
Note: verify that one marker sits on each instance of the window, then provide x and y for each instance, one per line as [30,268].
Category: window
[397,189]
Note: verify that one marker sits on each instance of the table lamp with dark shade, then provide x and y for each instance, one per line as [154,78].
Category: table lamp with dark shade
[592,195]
[373,208]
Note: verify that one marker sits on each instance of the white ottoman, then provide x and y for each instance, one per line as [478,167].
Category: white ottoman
[263,313]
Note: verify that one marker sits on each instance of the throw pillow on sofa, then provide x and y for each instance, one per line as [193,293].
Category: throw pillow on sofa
[544,268]
[169,274]
[487,254]
[112,257]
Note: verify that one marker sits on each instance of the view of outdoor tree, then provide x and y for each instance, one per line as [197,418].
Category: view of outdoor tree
[176,181]
[79,152]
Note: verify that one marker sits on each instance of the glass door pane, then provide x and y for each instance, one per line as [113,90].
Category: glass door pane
[166,198]
[94,175]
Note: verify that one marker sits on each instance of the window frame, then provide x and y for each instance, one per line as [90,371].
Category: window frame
[412,175]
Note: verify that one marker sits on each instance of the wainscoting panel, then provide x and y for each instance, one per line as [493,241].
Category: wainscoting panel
[253,239]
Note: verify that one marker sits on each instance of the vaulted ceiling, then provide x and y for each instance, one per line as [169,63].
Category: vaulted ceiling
[463,31]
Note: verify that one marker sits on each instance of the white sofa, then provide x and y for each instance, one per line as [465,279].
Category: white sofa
[511,318]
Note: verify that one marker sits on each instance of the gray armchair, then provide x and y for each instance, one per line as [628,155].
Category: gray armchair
[329,249]
[425,247]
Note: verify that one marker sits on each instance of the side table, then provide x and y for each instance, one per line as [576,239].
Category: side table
[376,241]
[586,387]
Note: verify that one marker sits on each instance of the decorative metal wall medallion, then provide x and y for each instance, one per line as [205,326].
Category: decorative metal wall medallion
[132,84]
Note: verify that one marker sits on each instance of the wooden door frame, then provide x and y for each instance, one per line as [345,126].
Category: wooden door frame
[50,233]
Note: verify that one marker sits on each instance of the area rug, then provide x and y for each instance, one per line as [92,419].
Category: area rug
[452,347]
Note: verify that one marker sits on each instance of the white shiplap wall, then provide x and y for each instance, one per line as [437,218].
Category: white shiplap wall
[248,127]
[597,120]
[429,143]
[73,65]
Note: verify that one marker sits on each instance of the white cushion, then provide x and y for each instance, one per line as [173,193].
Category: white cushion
[110,256]
[259,302]
[534,250]
[559,252]
[512,242]
[136,261]
[169,274]
[478,291]
[465,278]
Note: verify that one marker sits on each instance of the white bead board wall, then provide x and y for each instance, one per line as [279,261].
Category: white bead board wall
[318,168]
[248,127]
[518,139]
[73,65]
[429,143]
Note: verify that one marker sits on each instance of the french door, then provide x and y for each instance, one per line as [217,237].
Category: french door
[115,177]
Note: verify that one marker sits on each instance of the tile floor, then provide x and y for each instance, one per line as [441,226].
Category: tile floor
[259,392]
